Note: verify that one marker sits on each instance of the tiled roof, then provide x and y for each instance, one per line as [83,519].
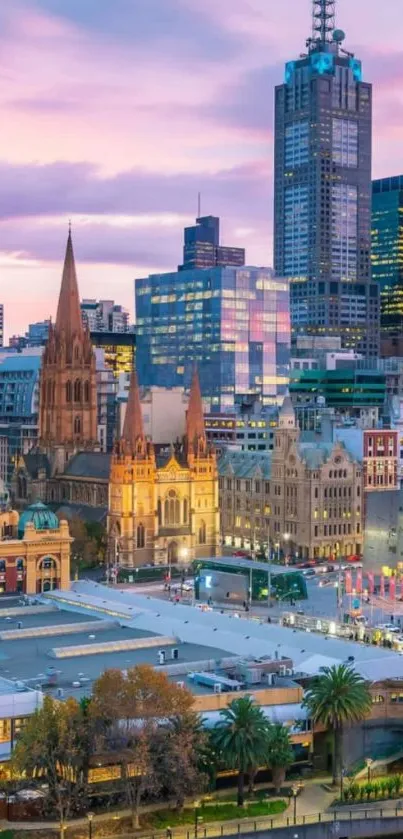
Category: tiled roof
[36,461]
[89,465]
[246,464]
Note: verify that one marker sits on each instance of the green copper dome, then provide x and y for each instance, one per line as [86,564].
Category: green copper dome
[41,517]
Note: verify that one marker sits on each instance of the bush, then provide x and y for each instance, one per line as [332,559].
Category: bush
[376,788]
[368,789]
[354,791]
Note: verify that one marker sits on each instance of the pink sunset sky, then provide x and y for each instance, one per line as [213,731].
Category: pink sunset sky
[115,113]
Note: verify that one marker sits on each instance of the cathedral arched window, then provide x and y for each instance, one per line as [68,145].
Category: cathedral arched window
[185,511]
[77,425]
[77,391]
[76,352]
[172,510]
[159,511]
[202,533]
[140,536]
[68,391]
[87,392]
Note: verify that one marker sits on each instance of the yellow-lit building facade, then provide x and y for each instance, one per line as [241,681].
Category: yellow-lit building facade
[34,551]
[163,501]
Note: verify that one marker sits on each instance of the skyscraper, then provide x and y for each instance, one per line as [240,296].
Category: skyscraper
[322,203]
[202,249]
[233,321]
[1,324]
[387,259]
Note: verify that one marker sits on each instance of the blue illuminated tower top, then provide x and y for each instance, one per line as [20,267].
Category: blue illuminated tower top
[322,189]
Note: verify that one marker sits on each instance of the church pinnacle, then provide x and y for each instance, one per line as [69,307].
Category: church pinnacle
[195,427]
[133,428]
[68,318]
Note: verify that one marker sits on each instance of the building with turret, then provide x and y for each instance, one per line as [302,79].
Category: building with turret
[163,500]
[305,497]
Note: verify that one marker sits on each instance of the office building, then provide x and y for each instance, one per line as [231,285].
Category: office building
[104,316]
[19,408]
[38,333]
[322,196]
[387,259]
[1,324]
[305,498]
[202,247]
[118,348]
[381,460]
[234,322]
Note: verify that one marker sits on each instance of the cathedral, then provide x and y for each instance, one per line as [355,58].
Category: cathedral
[163,501]
[159,503]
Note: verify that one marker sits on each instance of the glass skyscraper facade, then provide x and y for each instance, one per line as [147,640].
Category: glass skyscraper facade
[387,259]
[234,322]
[202,249]
[322,205]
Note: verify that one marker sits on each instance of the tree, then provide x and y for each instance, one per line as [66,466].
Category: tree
[240,737]
[129,709]
[178,753]
[279,754]
[52,745]
[336,697]
[89,545]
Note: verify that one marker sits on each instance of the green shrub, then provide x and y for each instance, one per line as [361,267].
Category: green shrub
[397,784]
[383,786]
[368,789]
[354,791]
[390,786]
[376,788]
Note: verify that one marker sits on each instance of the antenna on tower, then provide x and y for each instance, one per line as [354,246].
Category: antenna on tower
[323,20]
[198,204]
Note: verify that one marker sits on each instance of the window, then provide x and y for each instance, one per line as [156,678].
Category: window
[185,511]
[257,486]
[229,483]
[140,536]
[77,391]
[172,509]
[159,511]
[48,563]
[68,391]
[378,699]
[202,533]
[77,425]
[87,392]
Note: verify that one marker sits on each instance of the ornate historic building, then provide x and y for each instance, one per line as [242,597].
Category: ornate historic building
[66,469]
[34,551]
[306,498]
[163,500]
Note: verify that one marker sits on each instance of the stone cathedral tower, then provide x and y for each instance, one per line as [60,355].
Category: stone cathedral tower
[68,401]
[163,500]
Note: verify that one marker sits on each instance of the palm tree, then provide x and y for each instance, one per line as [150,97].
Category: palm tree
[336,697]
[240,738]
[279,754]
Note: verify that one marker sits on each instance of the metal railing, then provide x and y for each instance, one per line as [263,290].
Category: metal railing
[265,823]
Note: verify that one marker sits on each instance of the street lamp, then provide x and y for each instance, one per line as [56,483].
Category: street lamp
[197,805]
[368,763]
[90,817]
[286,538]
[295,790]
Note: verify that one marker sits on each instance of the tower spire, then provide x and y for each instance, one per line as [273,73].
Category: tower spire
[195,419]
[323,20]
[133,428]
[68,316]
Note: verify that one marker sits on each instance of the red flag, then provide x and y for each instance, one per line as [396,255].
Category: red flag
[392,588]
[371,582]
[358,583]
[382,588]
[348,583]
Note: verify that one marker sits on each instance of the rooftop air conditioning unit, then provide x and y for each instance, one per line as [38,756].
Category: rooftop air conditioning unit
[270,678]
[161,656]
[175,653]
[217,687]
[283,670]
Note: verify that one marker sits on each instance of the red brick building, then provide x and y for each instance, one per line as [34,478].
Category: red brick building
[380,459]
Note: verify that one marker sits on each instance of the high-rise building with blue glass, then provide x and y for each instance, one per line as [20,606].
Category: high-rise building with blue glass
[322,205]
[232,321]
[387,259]
[202,249]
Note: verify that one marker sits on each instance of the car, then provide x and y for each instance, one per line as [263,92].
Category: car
[389,627]
[325,582]
[309,572]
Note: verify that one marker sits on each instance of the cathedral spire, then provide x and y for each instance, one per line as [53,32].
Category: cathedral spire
[133,428]
[195,419]
[68,316]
